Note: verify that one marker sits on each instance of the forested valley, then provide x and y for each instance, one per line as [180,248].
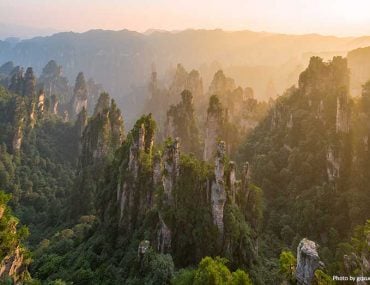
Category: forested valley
[210,185]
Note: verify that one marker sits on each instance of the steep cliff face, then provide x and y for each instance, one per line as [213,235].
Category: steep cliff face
[333,164]
[54,105]
[343,114]
[53,82]
[79,100]
[13,266]
[218,191]
[100,136]
[214,127]
[171,165]
[327,84]
[181,123]
[13,263]
[307,153]
[29,85]
[131,201]
[221,84]
[308,261]
[20,122]
[184,80]
[103,133]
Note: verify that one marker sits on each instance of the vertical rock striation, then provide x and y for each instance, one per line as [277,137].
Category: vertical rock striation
[218,192]
[307,262]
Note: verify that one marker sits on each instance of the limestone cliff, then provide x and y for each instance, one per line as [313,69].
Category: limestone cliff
[221,84]
[182,80]
[14,267]
[171,161]
[102,134]
[139,145]
[218,191]
[79,100]
[214,127]
[307,262]
[181,122]
[13,263]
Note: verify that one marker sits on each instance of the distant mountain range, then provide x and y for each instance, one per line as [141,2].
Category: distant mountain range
[122,60]
[23,32]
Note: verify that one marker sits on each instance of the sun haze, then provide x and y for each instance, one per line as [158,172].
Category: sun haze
[336,17]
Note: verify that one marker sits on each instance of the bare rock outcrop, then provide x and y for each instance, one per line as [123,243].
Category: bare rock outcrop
[13,266]
[218,192]
[308,261]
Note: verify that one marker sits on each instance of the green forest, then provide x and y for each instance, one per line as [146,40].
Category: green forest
[208,186]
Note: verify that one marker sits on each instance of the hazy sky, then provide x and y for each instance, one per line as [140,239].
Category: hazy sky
[338,17]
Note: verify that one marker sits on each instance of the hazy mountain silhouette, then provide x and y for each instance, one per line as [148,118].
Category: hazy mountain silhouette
[122,60]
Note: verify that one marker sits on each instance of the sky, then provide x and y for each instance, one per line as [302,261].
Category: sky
[334,17]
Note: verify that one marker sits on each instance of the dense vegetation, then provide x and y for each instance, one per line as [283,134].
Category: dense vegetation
[105,207]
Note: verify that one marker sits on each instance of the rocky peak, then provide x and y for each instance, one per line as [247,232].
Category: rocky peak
[324,76]
[214,125]
[102,135]
[79,100]
[181,123]
[29,85]
[102,104]
[308,261]
[16,81]
[221,84]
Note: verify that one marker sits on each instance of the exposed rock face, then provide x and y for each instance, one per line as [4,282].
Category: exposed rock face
[321,109]
[185,81]
[19,122]
[221,84]
[17,139]
[13,266]
[32,115]
[164,237]
[171,161]
[343,114]
[157,169]
[181,123]
[54,103]
[333,164]
[194,84]
[52,80]
[79,100]
[290,122]
[104,133]
[232,180]
[307,262]
[41,102]
[143,248]
[214,127]
[29,85]
[245,181]
[136,148]
[171,165]
[102,104]
[16,81]
[81,124]
[65,116]
[141,144]
[218,192]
